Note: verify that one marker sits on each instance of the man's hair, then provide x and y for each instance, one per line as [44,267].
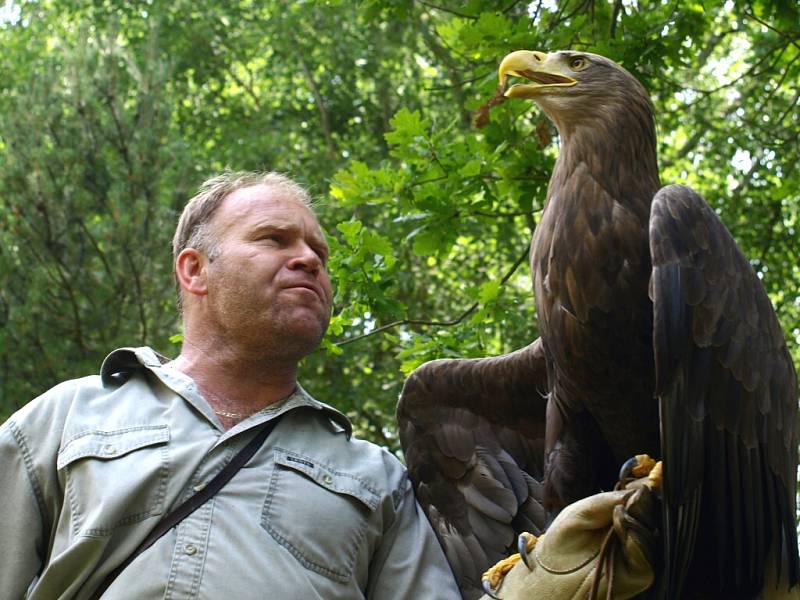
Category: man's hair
[194,230]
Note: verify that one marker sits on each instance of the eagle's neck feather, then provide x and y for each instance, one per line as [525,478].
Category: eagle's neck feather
[618,146]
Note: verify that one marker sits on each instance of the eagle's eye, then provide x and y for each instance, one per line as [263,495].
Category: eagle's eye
[578,63]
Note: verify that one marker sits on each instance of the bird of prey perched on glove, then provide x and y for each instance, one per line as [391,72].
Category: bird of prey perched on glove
[656,337]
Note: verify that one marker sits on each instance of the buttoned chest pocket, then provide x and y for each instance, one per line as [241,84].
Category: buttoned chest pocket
[115,478]
[318,513]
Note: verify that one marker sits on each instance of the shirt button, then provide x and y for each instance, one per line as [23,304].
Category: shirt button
[327,479]
[199,487]
[109,449]
[190,549]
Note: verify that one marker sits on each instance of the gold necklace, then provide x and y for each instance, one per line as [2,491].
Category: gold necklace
[233,415]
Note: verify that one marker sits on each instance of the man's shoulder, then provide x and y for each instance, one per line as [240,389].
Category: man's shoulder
[63,401]
[37,430]
[56,401]
[379,457]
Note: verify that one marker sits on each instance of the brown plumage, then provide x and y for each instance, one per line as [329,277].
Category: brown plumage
[656,337]
[473,435]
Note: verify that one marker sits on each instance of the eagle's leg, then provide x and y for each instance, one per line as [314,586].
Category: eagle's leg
[578,461]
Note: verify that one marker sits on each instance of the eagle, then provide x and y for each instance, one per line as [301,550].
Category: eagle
[656,337]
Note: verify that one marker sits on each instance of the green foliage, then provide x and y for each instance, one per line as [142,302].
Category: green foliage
[111,114]
[84,201]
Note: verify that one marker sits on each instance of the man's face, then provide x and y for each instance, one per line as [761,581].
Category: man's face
[268,288]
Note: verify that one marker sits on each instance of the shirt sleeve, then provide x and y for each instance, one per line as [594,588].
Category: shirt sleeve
[20,517]
[409,563]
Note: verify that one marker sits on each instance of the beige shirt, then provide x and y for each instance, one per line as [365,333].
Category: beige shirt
[91,466]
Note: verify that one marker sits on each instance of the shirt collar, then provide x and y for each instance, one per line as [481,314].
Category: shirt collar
[337,418]
[122,362]
[118,367]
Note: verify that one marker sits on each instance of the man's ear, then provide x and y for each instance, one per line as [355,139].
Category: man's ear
[190,270]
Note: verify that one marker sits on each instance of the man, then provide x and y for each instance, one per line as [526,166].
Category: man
[89,468]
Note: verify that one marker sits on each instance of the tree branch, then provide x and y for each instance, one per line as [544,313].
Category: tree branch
[498,214]
[245,86]
[792,37]
[751,72]
[614,17]
[791,107]
[448,10]
[510,7]
[121,144]
[782,79]
[137,280]
[57,272]
[452,68]
[93,241]
[458,84]
[324,118]
[427,323]
[710,44]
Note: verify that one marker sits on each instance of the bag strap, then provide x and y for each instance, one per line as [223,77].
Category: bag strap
[193,503]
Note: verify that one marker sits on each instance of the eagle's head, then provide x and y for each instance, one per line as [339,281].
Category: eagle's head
[572,86]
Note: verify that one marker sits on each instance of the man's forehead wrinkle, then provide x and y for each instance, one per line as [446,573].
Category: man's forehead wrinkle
[276,225]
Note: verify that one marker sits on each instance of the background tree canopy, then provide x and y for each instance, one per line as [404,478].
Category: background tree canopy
[113,113]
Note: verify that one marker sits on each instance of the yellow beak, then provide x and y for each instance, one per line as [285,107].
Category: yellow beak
[539,67]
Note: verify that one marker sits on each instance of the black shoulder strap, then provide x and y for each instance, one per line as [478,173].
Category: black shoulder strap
[193,503]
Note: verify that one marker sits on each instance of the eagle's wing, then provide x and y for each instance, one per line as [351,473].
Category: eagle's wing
[473,435]
[727,391]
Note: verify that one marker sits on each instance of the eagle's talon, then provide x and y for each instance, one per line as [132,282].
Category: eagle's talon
[626,471]
[487,587]
[525,543]
[493,578]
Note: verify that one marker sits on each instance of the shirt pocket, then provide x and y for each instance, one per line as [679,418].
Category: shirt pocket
[318,513]
[115,478]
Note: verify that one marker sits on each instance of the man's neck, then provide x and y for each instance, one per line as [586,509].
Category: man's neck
[235,383]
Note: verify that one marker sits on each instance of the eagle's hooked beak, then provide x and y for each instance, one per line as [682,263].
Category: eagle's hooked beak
[535,66]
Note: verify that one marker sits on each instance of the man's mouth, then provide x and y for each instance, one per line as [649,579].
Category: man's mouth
[305,286]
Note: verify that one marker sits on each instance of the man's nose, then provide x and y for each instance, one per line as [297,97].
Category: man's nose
[304,257]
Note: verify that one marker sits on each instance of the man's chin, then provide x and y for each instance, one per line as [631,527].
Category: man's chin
[304,332]
[290,331]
